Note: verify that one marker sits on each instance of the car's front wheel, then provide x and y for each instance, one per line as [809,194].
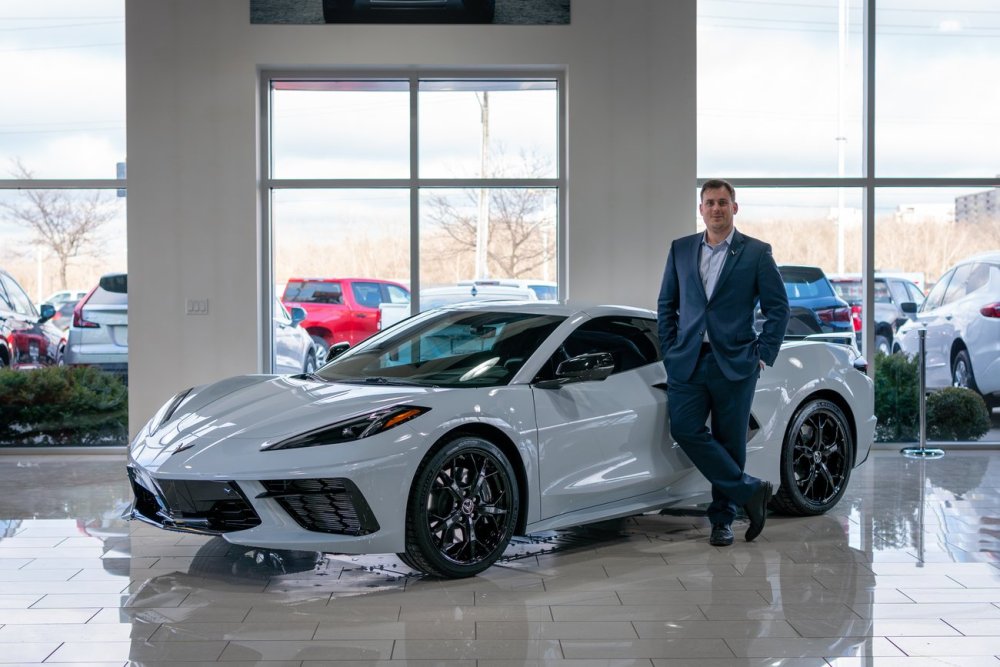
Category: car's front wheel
[816,460]
[462,509]
[310,365]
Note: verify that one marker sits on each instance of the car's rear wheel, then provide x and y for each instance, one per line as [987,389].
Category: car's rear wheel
[816,460]
[462,509]
[882,345]
[961,371]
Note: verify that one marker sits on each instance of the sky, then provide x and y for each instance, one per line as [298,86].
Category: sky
[778,94]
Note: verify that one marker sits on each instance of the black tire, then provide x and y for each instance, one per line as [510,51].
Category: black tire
[961,371]
[310,365]
[462,510]
[816,460]
[322,347]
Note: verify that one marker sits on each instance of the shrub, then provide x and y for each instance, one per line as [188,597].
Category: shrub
[65,405]
[897,386]
[957,413]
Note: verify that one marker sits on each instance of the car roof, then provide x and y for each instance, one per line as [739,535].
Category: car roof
[565,309]
[992,257]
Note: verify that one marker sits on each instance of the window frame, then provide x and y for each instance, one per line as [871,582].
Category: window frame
[414,183]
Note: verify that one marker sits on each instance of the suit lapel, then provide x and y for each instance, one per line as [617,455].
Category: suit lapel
[732,257]
[696,258]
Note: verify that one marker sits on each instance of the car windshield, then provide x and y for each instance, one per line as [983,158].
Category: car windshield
[805,282]
[313,291]
[446,349]
[852,291]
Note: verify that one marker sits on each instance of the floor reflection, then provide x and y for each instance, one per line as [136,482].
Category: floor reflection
[906,565]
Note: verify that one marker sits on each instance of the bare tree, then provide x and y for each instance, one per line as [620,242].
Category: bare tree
[518,219]
[65,223]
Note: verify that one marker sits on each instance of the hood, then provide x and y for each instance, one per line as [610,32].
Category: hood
[261,409]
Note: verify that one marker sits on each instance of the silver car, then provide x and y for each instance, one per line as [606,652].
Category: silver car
[962,317]
[294,350]
[98,335]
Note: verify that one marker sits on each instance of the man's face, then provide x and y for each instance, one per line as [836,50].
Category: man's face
[717,209]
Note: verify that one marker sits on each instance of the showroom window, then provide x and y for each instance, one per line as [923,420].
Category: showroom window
[863,144]
[63,367]
[384,195]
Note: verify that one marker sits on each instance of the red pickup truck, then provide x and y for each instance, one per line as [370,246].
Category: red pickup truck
[341,310]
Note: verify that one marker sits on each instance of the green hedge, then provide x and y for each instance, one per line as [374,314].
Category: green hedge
[954,413]
[66,406]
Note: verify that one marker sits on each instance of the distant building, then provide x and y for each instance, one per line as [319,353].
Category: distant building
[978,207]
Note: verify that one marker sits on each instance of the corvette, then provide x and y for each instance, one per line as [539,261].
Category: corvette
[445,435]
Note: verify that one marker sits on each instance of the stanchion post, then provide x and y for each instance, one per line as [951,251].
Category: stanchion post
[922,452]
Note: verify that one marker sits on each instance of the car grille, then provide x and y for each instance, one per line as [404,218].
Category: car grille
[323,505]
[191,506]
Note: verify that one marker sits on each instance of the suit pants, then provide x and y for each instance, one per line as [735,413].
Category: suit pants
[719,453]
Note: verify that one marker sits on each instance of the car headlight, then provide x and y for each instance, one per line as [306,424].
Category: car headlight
[167,411]
[355,428]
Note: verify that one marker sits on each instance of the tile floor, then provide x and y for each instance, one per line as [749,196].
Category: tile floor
[905,571]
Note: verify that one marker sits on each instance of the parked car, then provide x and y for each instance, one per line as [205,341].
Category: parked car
[442,437]
[890,293]
[294,349]
[962,317]
[62,296]
[435,297]
[28,339]
[341,310]
[545,290]
[409,11]
[814,306]
[98,335]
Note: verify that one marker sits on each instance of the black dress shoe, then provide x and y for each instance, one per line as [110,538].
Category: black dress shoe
[756,510]
[722,535]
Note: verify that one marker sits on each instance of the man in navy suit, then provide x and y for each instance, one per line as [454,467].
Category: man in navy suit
[711,286]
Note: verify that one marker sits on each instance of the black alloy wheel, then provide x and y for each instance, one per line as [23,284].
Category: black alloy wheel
[816,460]
[462,510]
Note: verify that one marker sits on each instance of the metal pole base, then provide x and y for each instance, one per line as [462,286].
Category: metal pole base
[921,453]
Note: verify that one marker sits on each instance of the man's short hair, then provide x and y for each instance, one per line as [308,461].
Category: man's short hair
[716,183]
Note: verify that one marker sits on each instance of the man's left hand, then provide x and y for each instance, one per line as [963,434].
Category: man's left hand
[762,364]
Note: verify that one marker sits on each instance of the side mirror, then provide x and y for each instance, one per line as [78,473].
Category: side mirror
[337,349]
[48,311]
[908,307]
[298,314]
[594,366]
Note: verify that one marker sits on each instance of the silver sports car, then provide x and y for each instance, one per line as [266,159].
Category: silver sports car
[445,435]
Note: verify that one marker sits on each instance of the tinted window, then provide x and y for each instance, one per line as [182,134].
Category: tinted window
[367,294]
[313,291]
[805,282]
[632,342]
[957,288]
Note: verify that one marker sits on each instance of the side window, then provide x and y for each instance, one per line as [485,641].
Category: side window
[957,287]
[280,312]
[979,278]
[396,294]
[916,296]
[367,294]
[19,301]
[936,296]
[898,290]
[630,341]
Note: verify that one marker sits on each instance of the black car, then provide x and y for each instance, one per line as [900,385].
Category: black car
[27,337]
[890,293]
[814,306]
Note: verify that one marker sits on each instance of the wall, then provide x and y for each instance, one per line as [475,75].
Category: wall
[192,152]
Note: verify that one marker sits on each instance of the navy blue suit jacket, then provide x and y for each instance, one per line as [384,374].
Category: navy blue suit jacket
[684,313]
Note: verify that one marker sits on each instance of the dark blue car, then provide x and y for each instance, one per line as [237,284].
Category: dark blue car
[815,306]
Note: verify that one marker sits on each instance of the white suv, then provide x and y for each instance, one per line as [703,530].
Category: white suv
[962,316]
[98,335]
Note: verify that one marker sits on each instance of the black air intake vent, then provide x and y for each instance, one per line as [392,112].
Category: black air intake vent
[323,505]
